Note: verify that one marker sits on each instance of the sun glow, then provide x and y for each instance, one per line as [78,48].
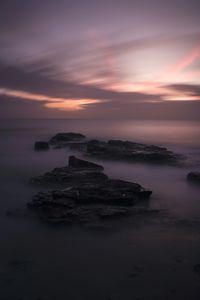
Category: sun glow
[51,102]
[71,104]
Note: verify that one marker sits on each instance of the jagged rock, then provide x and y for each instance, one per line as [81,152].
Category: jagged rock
[75,162]
[62,139]
[62,209]
[110,191]
[80,146]
[130,151]
[88,202]
[70,176]
[41,145]
[88,195]
[194,177]
[77,172]
[116,149]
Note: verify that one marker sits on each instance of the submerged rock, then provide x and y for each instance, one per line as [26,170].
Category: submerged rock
[88,195]
[194,177]
[41,145]
[130,151]
[64,139]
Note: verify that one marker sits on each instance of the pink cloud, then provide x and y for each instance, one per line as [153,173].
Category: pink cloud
[187,60]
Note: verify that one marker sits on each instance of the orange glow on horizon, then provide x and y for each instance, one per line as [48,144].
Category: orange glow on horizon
[52,102]
[71,104]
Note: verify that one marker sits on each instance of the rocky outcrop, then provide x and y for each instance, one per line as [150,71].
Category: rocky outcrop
[66,138]
[62,209]
[116,149]
[75,162]
[77,172]
[89,202]
[41,145]
[194,177]
[130,151]
[88,194]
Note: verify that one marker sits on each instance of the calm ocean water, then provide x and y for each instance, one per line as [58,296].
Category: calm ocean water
[79,263]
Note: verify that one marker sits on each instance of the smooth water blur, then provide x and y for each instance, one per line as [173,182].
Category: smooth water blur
[185,133]
[78,263]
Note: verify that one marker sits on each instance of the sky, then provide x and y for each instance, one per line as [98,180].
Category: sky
[135,59]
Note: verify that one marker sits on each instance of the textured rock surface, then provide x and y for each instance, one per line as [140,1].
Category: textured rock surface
[89,202]
[77,172]
[116,149]
[88,194]
[130,151]
[65,138]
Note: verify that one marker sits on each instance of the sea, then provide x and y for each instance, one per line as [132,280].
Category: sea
[153,257]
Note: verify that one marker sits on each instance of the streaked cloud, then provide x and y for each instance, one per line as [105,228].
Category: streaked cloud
[89,57]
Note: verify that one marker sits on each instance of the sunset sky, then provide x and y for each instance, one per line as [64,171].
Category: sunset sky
[100,59]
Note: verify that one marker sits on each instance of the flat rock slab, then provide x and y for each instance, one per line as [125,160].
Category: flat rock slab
[115,149]
[62,139]
[130,151]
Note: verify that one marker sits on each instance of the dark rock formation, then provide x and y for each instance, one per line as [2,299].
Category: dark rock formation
[88,195]
[130,151]
[68,212]
[89,202]
[41,145]
[194,177]
[77,172]
[116,149]
[64,139]
[75,162]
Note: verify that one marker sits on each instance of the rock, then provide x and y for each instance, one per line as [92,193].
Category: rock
[89,201]
[75,162]
[108,191]
[65,210]
[89,194]
[68,176]
[77,172]
[80,146]
[113,212]
[41,145]
[62,139]
[130,151]
[194,177]
[116,149]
